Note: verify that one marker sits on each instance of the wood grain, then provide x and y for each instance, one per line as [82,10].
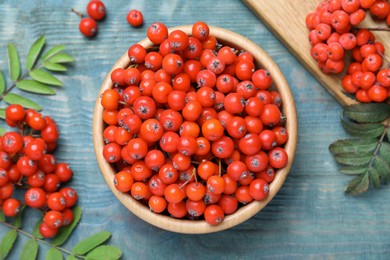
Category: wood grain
[244,213]
[287,20]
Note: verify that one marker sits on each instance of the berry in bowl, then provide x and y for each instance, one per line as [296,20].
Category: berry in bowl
[195,128]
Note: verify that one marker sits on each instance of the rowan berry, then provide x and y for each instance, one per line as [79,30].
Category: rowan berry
[47,231]
[11,207]
[259,189]
[214,214]
[15,112]
[35,197]
[200,30]
[157,32]
[88,27]
[135,18]
[53,218]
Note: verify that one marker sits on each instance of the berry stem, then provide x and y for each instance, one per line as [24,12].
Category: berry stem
[376,29]
[41,240]
[78,13]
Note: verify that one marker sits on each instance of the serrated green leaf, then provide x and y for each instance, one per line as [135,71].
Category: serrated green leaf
[91,242]
[2,131]
[358,185]
[2,217]
[65,231]
[353,159]
[388,134]
[18,218]
[104,252]
[7,242]
[353,146]
[353,170]
[71,257]
[368,113]
[374,177]
[54,254]
[2,83]
[12,98]
[35,231]
[35,87]
[382,167]
[13,62]
[2,113]
[61,58]
[372,130]
[384,151]
[30,250]
[52,51]
[34,52]
[54,66]
[45,77]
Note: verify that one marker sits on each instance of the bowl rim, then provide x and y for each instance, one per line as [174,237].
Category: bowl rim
[263,60]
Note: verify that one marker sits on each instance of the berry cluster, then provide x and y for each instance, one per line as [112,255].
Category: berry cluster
[96,11]
[25,162]
[333,32]
[192,128]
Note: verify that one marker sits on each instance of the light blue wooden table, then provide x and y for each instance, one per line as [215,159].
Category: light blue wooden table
[311,217]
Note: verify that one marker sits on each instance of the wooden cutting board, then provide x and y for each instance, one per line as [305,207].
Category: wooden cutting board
[286,19]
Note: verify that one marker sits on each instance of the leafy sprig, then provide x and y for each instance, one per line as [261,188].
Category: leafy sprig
[92,247]
[367,155]
[38,77]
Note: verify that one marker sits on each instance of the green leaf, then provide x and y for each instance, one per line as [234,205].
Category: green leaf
[353,146]
[54,254]
[13,62]
[353,159]
[35,87]
[372,130]
[382,167]
[71,257]
[7,243]
[30,250]
[2,131]
[104,252]
[45,77]
[358,185]
[61,58]
[384,151]
[388,134]
[2,113]
[12,98]
[35,231]
[34,52]
[374,177]
[54,66]
[18,217]
[91,242]
[353,170]
[2,217]
[52,51]
[65,231]
[2,83]
[368,113]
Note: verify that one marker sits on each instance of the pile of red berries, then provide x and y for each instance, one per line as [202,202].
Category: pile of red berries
[96,11]
[333,32]
[193,129]
[25,163]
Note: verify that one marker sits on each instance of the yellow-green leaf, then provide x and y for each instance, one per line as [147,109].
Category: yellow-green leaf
[34,52]
[2,113]
[104,252]
[358,185]
[45,77]
[2,131]
[13,62]
[12,98]
[65,231]
[18,217]
[30,250]
[35,231]
[35,87]
[2,83]
[54,66]
[91,242]
[2,217]
[54,254]
[7,242]
[52,51]
[61,57]
[71,257]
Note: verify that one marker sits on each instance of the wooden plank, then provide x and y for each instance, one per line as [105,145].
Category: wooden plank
[286,19]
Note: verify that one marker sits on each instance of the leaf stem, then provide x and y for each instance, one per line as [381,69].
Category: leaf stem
[40,240]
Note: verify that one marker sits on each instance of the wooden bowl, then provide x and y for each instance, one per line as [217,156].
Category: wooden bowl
[242,214]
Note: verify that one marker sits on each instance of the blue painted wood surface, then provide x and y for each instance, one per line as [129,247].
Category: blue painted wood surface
[311,217]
